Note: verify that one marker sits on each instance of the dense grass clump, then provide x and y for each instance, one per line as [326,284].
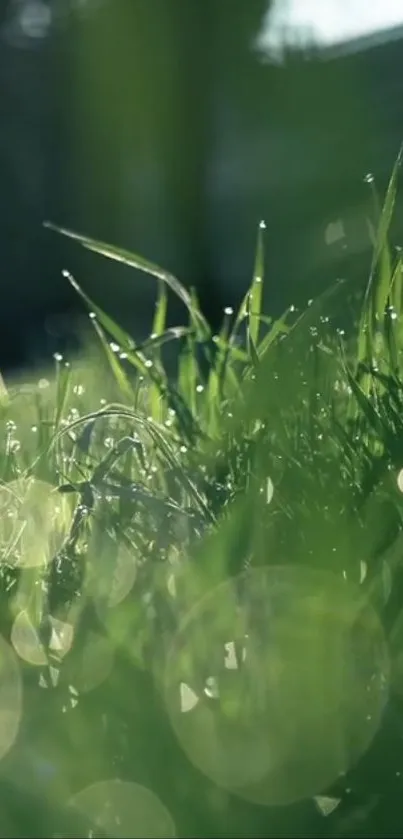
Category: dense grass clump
[130,497]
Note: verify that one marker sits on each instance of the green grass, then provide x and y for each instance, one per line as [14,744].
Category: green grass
[277,442]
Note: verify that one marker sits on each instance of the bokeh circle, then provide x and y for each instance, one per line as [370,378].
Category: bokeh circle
[276,682]
[34,522]
[125,810]
[11,697]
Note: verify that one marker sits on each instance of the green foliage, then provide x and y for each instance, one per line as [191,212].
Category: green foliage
[276,442]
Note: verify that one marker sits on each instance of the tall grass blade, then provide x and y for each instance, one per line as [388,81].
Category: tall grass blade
[256,290]
[135,261]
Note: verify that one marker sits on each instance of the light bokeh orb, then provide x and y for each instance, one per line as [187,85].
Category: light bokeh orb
[26,642]
[34,522]
[125,810]
[276,683]
[10,697]
[111,575]
[91,663]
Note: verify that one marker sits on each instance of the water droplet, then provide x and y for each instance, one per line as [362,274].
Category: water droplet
[262,225]
[92,315]
[228,310]
[369,178]
[114,347]
[148,363]
[57,356]
[199,388]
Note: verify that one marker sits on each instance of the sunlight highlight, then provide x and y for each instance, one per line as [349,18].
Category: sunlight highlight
[325,23]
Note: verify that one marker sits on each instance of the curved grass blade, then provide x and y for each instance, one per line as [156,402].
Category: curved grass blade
[158,434]
[135,261]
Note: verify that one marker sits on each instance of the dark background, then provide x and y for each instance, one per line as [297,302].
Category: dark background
[156,126]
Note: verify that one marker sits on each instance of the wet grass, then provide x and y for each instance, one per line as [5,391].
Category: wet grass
[275,442]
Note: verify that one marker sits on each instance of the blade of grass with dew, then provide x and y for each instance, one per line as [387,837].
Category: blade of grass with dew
[155,342]
[380,277]
[188,372]
[396,312]
[254,303]
[134,261]
[124,341]
[387,210]
[158,327]
[397,288]
[366,405]
[188,375]
[121,337]
[118,372]
[157,407]
[63,378]
[222,361]
[297,331]
[212,403]
[278,328]
[135,357]
[158,434]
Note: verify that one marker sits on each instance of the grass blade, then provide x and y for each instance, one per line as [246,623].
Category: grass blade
[256,290]
[135,261]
